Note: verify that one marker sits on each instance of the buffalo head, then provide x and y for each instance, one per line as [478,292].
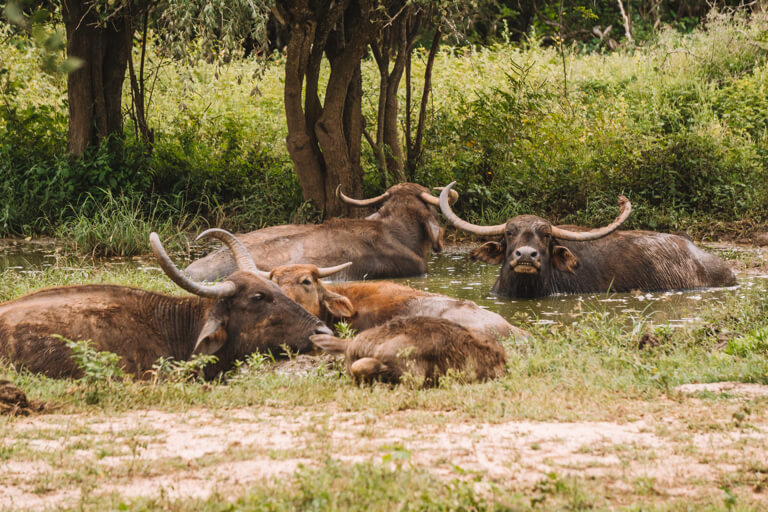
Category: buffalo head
[301,282]
[530,248]
[409,202]
[247,312]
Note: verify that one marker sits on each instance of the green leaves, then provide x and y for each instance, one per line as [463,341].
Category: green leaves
[99,369]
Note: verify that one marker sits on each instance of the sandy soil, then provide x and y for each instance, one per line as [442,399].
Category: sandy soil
[201,451]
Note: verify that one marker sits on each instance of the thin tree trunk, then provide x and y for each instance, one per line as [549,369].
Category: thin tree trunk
[391,138]
[138,92]
[414,150]
[626,21]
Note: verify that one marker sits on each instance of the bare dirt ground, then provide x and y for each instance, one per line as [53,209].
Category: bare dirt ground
[692,451]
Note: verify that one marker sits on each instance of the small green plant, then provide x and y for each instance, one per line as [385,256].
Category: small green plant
[397,455]
[167,369]
[253,363]
[754,342]
[344,330]
[100,368]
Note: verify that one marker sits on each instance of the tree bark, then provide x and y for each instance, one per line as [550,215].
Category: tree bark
[300,141]
[324,138]
[394,46]
[95,90]
[330,128]
[413,146]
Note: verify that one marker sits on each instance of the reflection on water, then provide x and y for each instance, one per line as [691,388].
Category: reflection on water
[451,273]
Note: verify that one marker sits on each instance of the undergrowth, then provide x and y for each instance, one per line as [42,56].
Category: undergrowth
[678,125]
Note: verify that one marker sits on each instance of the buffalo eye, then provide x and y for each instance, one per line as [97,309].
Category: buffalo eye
[256,297]
[306,282]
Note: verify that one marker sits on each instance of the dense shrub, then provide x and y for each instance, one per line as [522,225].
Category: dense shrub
[679,125]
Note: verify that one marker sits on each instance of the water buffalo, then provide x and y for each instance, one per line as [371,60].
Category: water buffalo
[540,259]
[230,319]
[422,346]
[370,304]
[393,242]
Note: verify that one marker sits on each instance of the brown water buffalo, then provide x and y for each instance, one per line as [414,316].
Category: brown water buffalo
[369,304]
[540,259]
[231,319]
[422,346]
[393,242]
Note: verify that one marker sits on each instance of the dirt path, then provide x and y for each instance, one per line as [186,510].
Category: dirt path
[55,458]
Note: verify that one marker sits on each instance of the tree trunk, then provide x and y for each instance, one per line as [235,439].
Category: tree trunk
[300,141]
[324,138]
[95,90]
[413,145]
[397,39]
[330,127]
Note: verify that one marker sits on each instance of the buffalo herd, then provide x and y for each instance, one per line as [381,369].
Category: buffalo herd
[238,307]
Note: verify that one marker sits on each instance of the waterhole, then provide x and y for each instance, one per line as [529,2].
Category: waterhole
[452,273]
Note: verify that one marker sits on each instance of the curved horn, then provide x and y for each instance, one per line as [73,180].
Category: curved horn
[243,258]
[454,196]
[327,271]
[219,290]
[361,202]
[462,224]
[625,209]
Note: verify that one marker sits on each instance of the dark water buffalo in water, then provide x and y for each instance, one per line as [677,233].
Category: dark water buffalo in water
[393,242]
[540,259]
[231,319]
[422,346]
[370,304]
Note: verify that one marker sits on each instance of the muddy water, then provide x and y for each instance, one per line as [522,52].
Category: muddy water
[452,273]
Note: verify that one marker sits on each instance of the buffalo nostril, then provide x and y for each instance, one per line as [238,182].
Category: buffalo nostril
[322,329]
[534,254]
[517,253]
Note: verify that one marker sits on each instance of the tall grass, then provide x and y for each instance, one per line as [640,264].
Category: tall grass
[120,225]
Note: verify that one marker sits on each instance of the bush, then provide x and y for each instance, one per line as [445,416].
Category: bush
[679,125]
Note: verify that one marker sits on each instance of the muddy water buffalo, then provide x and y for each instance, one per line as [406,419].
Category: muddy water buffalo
[370,304]
[425,347]
[393,242]
[230,319]
[540,259]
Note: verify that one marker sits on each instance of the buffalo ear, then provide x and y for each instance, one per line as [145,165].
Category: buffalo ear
[435,234]
[564,260]
[338,305]
[330,344]
[212,336]
[490,252]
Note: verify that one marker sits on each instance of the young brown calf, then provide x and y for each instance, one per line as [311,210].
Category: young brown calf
[424,347]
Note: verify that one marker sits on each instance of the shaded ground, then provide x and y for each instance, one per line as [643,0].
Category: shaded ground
[689,449]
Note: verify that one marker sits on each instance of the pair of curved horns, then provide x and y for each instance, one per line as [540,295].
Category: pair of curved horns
[427,198]
[219,290]
[625,207]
